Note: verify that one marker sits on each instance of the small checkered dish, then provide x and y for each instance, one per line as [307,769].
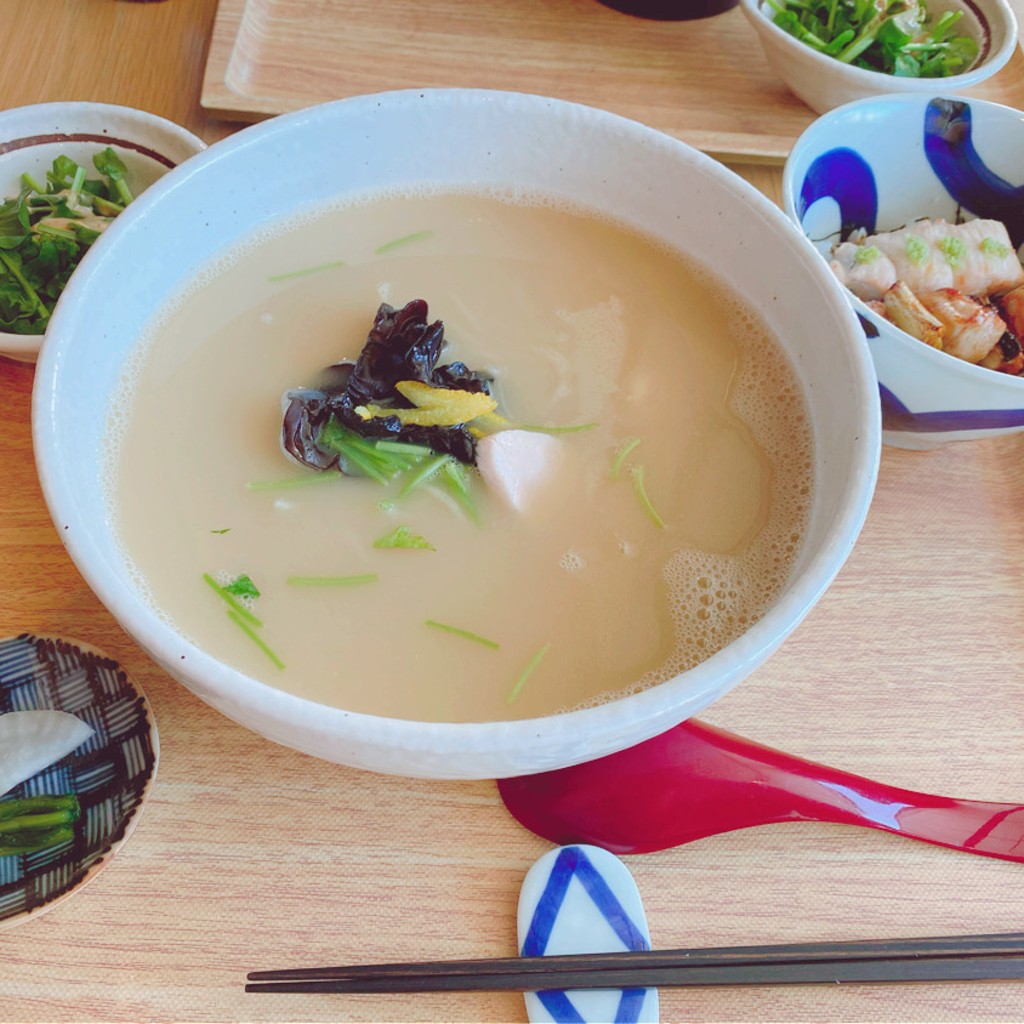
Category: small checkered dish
[111,772]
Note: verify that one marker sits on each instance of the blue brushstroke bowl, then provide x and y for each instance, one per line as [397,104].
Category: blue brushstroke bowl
[879,163]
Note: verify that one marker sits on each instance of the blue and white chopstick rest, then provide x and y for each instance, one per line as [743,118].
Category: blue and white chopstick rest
[582,899]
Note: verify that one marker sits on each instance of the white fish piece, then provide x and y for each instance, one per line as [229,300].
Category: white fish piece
[33,740]
[518,464]
[865,270]
[988,264]
[975,257]
[915,254]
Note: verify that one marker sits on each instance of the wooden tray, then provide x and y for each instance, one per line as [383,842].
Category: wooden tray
[706,82]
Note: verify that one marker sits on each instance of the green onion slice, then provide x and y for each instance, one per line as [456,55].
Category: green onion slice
[307,271]
[645,502]
[251,633]
[622,454]
[234,605]
[527,672]
[332,581]
[416,236]
[464,633]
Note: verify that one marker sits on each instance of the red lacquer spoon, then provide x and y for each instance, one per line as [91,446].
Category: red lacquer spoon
[695,781]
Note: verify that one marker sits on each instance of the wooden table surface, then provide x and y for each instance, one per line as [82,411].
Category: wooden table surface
[250,855]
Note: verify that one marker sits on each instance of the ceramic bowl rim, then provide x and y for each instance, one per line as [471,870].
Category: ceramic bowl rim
[653,706]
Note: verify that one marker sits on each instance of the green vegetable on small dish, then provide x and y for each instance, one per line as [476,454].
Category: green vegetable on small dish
[31,824]
[46,230]
[897,38]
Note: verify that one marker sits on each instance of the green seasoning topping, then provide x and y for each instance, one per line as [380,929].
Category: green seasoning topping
[383,461]
[291,481]
[230,600]
[954,249]
[251,633]
[456,481]
[572,428]
[448,471]
[410,451]
[916,249]
[464,633]
[526,673]
[637,473]
[995,249]
[403,537]
[379,460]
[397,243]
[33,823]
[424,472]
[621,455]
[866,254]
[242,587]
[332,581]
[306,271]
[227,529]
[640,488]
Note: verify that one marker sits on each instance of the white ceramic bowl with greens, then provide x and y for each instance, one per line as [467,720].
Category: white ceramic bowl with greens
[822,81]
[31,138]
[471,139]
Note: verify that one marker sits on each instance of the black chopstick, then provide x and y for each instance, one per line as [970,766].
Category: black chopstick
[970,957]
[970,968]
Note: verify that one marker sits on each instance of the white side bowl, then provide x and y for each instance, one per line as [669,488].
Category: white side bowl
[824,82]
[878,164]
[32,137]
[463,138]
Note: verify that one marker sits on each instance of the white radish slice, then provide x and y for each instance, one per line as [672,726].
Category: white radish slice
[33,740]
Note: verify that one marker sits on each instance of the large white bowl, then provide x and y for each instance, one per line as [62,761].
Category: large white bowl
[32,137]
[879,164]
[823,82]
[461,137]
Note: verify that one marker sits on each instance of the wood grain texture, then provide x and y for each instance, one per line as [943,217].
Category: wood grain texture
[253,856]
[706,81]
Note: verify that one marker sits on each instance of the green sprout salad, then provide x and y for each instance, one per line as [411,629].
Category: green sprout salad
[895,38]
[46,230]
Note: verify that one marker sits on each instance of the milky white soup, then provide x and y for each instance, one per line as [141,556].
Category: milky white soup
[585,595]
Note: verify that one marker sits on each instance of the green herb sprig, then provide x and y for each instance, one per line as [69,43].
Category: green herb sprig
[403,537]
[380,460]
[332,581]
[240,589]
[638,475]
[640,489]
[383,461]
[526,673]
[464,633]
